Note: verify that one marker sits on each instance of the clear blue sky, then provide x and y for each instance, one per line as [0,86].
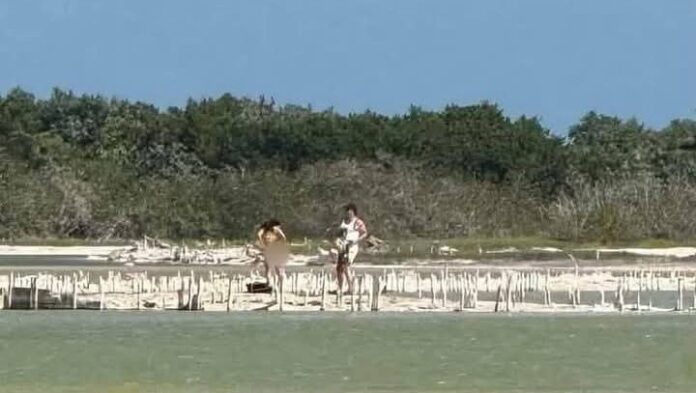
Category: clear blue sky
[553,58]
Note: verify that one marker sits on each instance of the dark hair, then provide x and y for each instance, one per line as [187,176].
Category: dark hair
[351,206]
[269,224]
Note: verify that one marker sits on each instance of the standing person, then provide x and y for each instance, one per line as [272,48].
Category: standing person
[274,245]
[353,231]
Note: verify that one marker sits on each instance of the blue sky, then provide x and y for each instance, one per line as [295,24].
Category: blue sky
[556,59]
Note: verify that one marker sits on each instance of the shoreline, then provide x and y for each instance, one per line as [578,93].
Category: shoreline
[144,252]
[431,289]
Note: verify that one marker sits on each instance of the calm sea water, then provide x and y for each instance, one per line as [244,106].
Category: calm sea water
[271,352]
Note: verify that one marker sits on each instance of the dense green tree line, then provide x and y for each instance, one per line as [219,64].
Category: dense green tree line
[89,166]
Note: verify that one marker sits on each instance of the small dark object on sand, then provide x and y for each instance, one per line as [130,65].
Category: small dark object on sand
[259,287]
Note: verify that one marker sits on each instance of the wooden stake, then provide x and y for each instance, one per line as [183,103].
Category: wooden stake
[74,291]
[361,280]
[377,287]
[352,294]
[497,297]
[139,285]
[34,293]
[508,290]
[308,282]
[10,290]
[199,290]
[420,292]
[433,282]
[323,292]
[229,293]
[443,288]
[190,290]
[620,296]
[680,294]
[461,293]
[523,287]
[368,289]
[101,293]
[281,285]
[547,290]
[640,290]
[476,289]
[339,295]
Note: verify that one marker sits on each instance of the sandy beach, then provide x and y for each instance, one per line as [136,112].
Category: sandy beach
[393,289]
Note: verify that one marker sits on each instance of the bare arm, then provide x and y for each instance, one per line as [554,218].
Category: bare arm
[259,237]
[362,230]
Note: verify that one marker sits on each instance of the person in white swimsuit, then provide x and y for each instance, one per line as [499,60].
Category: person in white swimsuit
[353,231]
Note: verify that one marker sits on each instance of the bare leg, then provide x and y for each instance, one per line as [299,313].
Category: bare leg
[266,273]
[280,273]
[349,277]
[340,272]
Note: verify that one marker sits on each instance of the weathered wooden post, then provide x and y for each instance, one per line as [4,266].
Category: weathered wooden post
[433,282]
[323,292]
[33,293]
[680,294]
[418,285]
[190,290]
[547,290]
[657,281]
[377,288]
[74,291]
[508,293]
[368,289]
[10,290]
[139,289]
[199,290]
[460,284]
[476,289]
[640,290]
[361,280]
[443,287]
[523,287]
[497,297]
[620,296]
[101,293]
[281,288]
[308,282]
[576,295]
[229,293]
[352,294]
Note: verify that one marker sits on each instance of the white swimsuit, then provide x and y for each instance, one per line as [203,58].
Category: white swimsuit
[351,234]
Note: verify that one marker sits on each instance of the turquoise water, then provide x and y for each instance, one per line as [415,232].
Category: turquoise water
[271,352]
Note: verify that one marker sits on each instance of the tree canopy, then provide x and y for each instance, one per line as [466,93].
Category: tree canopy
[87,165]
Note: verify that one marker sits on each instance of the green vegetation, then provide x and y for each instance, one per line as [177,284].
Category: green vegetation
[88,167]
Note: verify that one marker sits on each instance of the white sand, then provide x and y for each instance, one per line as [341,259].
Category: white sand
[67,250]
[547,249]
[401,291]
[678,252]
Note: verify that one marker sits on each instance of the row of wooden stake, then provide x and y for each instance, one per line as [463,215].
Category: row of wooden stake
[512,288]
